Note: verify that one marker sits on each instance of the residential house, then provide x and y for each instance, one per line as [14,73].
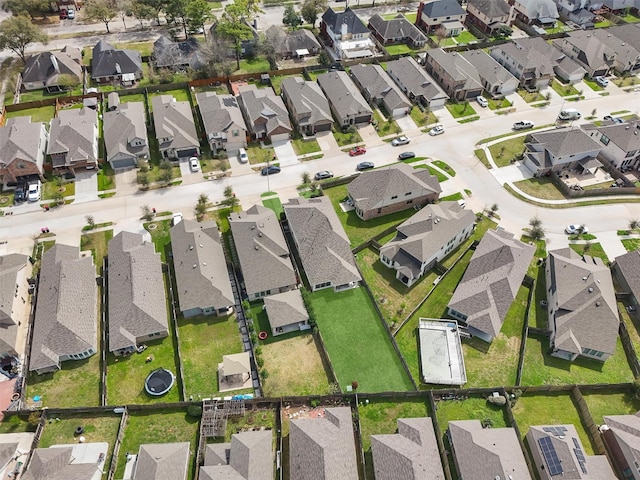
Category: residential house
[497,81]
[65,326]
[427,237]
[15,449]
[62,462]
[490,283]
[201,273]
[137,310]
[175,128]
[543,13]
[264,113]
[561,149]
[486,452]
[223,122]
[444,15]
[378,89]
[296,44]
[247,45]
[626,269]
[44,70]
[577,11]
[564,67]
[73,140]
[618,7]
[347,103]
[346,35]
[532,69]
[392,189]
[323,246]
[325,444]
[125,134]
[557,452]
[109,65]
[286,312]
[621,434]
[308,106]
[583,316]
[619,142]
[416,83]
[262,252]
[249,456]
[396,30]
[159,461]
[22,150]
[15,272]
[628,33]
[411,453]
[488,15]
[459,79]
[178,55]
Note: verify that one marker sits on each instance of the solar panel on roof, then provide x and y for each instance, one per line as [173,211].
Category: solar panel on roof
[550,455]
[575,442]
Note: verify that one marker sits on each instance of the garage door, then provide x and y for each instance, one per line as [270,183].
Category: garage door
[123,163]
[281,137]
[323,128]
[189,152]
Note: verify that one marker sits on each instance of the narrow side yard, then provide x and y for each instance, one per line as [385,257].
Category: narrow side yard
[611,404]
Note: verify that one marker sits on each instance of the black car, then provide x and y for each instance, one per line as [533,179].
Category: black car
[20,194]
[406,155]
[364,166]
[270,170]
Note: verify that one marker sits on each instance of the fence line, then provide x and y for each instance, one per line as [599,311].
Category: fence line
[514,424]
[118,443]
[587,420]
[174,319]
[444,453]
[104,336]
[525,333]
[629,349]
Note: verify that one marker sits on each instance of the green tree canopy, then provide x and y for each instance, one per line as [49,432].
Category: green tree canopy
[29,7]
[18,32]
[291,18]
[101,10]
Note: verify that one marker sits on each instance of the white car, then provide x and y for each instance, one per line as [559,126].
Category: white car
[193,164]
[576,229]
[436,130]
[602,81]
[33,194]
[242,155]
[483,102]
[403,140]
[176,219]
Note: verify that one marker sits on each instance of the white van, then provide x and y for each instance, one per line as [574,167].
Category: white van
[569,114]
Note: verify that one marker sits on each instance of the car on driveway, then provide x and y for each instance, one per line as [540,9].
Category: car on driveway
[71,13]
[357,151]
[523,125]
[20,194]
[321,175]
[613,119]
[242,155]
[483,102]
[574,229]
[176,218]
[193,164]
[406,155]
[403,140]
[364,166]
[270,170]
[33,194]
[436,130]
[602,81]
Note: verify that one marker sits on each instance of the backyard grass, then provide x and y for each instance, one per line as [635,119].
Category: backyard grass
[259,155]
[359,348]
[106,178]
[166,426]
[540,187]
[436,173]
[18,424]
[459,110]
[385,126]
[611,404]
[444,166]
[345,138]
[472,408]
[465,37]
[422,118]
[136,97]
[39,114]
[507,151]
[631,244]
[253,65]
[591,249]
[632,324]
[304,146]
[538,317]
[97,242]
[180,94]
[35,95]
[313,75]
[400,48]
[274,204]
[252,419]
[564,90]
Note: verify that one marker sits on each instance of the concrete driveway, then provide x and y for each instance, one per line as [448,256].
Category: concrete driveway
[126,181]
[86,186]
[285,154]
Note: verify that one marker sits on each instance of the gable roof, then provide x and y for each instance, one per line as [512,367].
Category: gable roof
[587,314]
[262,250]
[410,454]
[629,33]
[285,309]
[415,79]
[323,447]
[288,42]
[491,281]
[625,136]
[375,81]
[54,463]
[74,132]
[17,142]
[457,67]
[626,430]
[526,54]
[66,319]
[442,8]
[491,8]
[249,456]
[10,266]
[539,9]
[264,109]
[343,94]
[167,53]
[370,188]
[137,300]
[565,141]
[219,113]
[398,27]
[629,266]
[162,461]
[173,120]
[487,67]
[121,126]
[48,66]
[560,62]
[107,61]
[311,106]
[200,266]
[334,20]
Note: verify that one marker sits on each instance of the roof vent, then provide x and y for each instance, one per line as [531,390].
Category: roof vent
[256,247]
[584,278]
[590,289]
[204,264]
[190,247]
[253,227]
[195,265]
[260,234]
[200,245]
[597,304]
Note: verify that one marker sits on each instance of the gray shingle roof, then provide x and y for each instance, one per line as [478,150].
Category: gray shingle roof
[122,126]
[285,309]
[323,245]
[17,142]
[48,66]
[74,132]
[563,142]
[323,448]
[629,266]
[249,456]
[167,53]
[288,42]
[526,54]
[200,266]
[107,61]
[262,250]
[626,429]
[491,8]
[10,267]
[265,111]
[540,9]
[582,292]
[625,135]
[487,452]
[398,27]
[55,464]
[560,61]
[378,85]
[410,454]
[162,461]
[457,67]
[629,33]
[310,104]
[174,120]
[335,20]
[137,300]
[343,94]
[219,113]
[491,281]
[66,320]
[487,67]
[442,8]
[415,79]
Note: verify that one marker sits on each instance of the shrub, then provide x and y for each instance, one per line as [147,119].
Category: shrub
[194,411]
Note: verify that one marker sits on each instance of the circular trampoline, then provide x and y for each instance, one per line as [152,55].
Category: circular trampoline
[159,382]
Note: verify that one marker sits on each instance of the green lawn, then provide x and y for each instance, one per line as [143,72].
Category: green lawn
[459,110]
[304,146]
[472,408]
[97,242]
[358,347]
[538,317]
[385,126]
[540,187]
[564,90]
[497,104]
[136,97]
[345,138]
[18,424]
[51,187]
[444,166]
[35,95]
[593,250]
[482,156]
[160,235]
[633,325]
[436,173]
[531,97]
[106,178]
[611,404]
[422,118]
[180,94]
[145,48]
[258,155]
[631,244]
[400,49]
[253,65]
[274,204]
[509,150]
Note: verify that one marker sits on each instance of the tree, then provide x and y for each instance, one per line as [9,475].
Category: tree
[586,247]
[230,198]
[268,43]
[232,26]
[493,209]
[142,11]
[176,10]
[198,12]
[66,81]
[306,178]
[291,18]
[124,9]
[634,224]
[536,233]
[147,214]
[143,178]
[166,175]
[90,221]
[202,206]
[324,58]
[157,6]
[535,222]
[504,31]
[311,9]
[18,32]
[29,7]
[101,10]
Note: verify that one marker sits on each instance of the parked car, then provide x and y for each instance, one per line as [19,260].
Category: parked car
[321,175]
[613,119]
[63,14]
[242,155]
[574,229]
[33,194]
[193,164]
[270,170]
[436,130]
[406,155]
[483,102]
[569,114]
[176,218]
[523,125]
[357,151]
[403,140]
[71,13]
[20,194]
[602,81]
[364,166]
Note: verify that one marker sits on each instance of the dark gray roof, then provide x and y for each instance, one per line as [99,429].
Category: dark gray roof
[487,67]
[66,320]
[17,142]
[285,309]
[563,142]
[10,275]
[323,245]
[591,51]
[137,300]
[491,281]
[249,456]
[398,27]
[629,266]
[264,109]
[288,42]
[582,289]
[311,106]
[262,250]
[220,113]
[323,448]
[75,132]
[334,21]
[442,8]
[410,454]
[167,53]
[491,8]
[200,266]
[55,464]
[162,461]
[123,125]
[375,81]
[343,94]
[107,61]
[457,67]
[415,79]
[48,66]
[174,120]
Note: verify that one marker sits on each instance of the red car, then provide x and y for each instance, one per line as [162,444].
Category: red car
[357,151]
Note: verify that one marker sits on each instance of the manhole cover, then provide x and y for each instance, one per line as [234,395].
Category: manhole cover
[152,226]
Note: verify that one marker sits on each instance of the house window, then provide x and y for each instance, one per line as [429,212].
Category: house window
[322,285]
[407,194]
[604,140]
[394,197]
[632,153]
[409,202]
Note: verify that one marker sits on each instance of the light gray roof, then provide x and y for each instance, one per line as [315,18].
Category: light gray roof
[625,136]
[540,9]
[398,27]
[442,8]
[264,109]
[107,61]
[285,309]
[559,61]
[48,66]
[526,54]
[74,132]
[491,8]
[249,456]
[370,188]
[375,81]
[162,461]
[421,236]
[262,250]
[200,266]
[335,20]
[173,120]
[410,454]
[121,126]
[415,79]
[10,266]
[457,67]
[629,266]
[487,452]
[323,448]
[66,320]
[219,113]
[323,245]
[55,464]
[137,300]
[587,315]
[236,363]
[626,429]
[629,33]
[343,94]
[488,69]
[17,141]
[310,104]
[625,52]
[491,281]
[565,141]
